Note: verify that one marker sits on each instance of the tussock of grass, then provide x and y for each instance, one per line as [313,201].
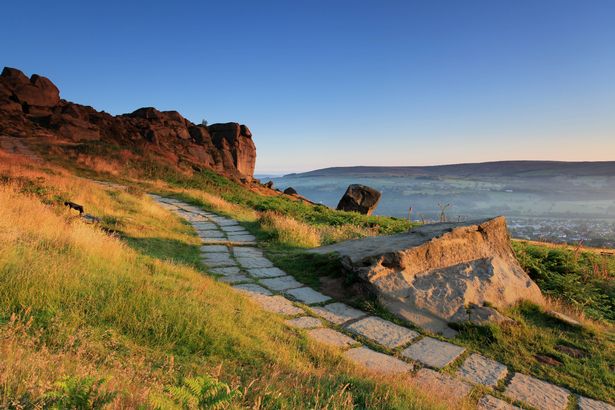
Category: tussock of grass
[288,231]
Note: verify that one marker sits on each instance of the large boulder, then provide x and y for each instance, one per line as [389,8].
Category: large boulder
[359,198]
[440,273]
[37,91]
[235,141]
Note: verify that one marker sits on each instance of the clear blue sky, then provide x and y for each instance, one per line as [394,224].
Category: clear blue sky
[332,83]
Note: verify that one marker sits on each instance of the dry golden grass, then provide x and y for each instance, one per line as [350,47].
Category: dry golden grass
[77,301]
[289,231]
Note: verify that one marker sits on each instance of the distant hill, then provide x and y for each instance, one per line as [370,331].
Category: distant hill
[485,169]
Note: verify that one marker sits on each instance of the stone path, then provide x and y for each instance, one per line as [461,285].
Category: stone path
[231,253]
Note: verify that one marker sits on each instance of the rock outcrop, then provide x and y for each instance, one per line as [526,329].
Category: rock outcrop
[359,198]
[31,107]
[441,273]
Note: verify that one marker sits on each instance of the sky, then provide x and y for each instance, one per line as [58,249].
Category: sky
[341,83]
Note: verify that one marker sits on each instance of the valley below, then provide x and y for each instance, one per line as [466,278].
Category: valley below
[561,208]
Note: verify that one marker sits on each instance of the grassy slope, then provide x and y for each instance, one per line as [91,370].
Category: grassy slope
[136,310]
[580,283]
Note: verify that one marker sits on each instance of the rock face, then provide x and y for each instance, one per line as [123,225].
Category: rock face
[31,107]
[359,198]
[440,273]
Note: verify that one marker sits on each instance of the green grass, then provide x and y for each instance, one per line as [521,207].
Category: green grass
[134,310]
[581,279]
[576,281]
[536,333]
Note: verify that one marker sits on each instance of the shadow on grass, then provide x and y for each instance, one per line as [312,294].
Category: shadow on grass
[166,249]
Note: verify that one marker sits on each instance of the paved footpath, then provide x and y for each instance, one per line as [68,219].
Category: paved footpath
[231,253]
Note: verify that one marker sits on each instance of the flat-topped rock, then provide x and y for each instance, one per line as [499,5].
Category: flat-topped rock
[537,393]
[277,304]
[281,283]
[383,332]
[489,402]
[338,313]
[429,275]
[590,404]
[266,272]
[377,362]
[478,369]
[307,295]
[331,337]
[441,384]
[252,288]
[254,262]
[304,322]
[433,353]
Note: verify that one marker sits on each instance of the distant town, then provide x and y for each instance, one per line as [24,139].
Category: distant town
[597,233]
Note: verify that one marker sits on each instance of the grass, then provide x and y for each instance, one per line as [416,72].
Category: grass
[78,304]
[577,283]
[584,280]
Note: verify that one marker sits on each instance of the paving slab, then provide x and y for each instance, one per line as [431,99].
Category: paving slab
[232,279]
[205,226]
[489,402]
[338,313]
[217,257]
[304,322]
[254,262]
[252,288]
[382,331]
[214,249]
[377,362]
[247,251]
[226,222]
[478,369]
[241,238]
[281,283]
[277,304]
[331,337]
[266,272]
[591,404]
[219,263]
[211,234]
[234,228]
[441,384]
[433,353]
[537,393]
[307,295]
[228,270]
[214,241]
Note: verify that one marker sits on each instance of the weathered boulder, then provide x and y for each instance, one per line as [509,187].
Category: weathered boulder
[441,273]
[38,91]
[359,198]
[290,191]
[237,140]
